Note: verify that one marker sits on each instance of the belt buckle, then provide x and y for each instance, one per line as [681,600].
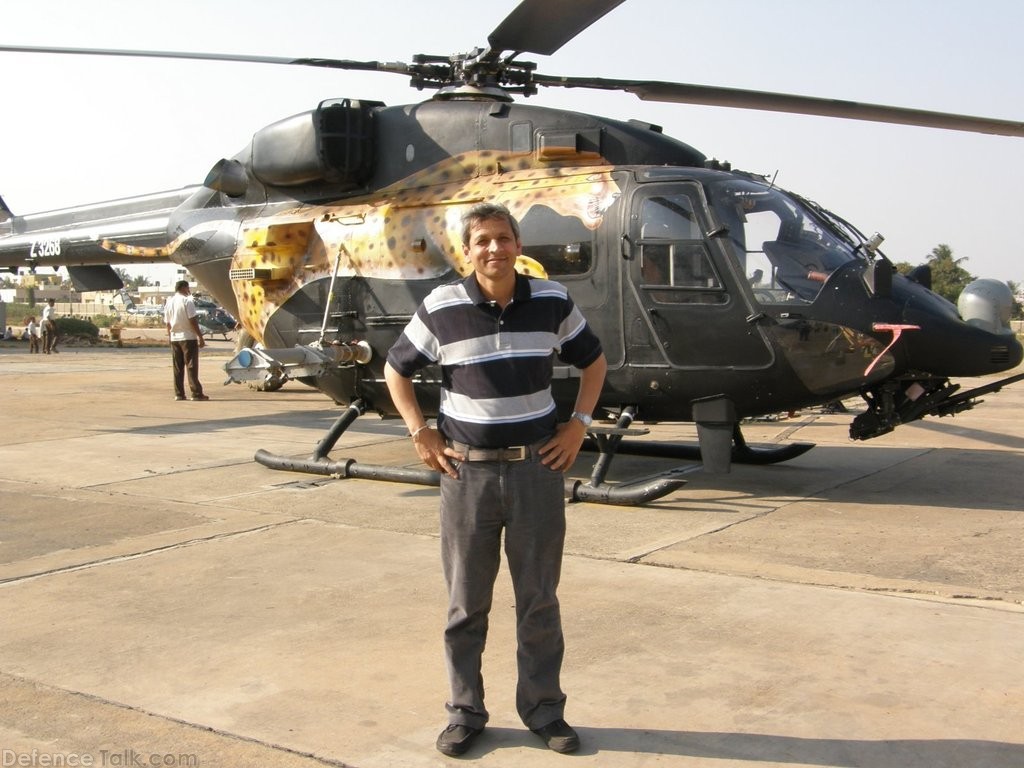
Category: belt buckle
[518,453]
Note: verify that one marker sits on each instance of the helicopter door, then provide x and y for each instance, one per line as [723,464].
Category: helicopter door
[691,314]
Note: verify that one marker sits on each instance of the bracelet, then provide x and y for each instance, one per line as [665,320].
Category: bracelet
[418,430]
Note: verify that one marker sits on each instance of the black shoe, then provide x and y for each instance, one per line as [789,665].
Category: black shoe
[559,736]
[456,739]
[179,397]
[200,397]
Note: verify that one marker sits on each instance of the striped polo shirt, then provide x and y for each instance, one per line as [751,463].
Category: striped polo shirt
[496,364]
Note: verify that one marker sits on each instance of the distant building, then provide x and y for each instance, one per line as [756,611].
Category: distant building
[26,294]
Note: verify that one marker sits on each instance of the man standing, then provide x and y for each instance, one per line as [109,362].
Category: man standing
[186,338]
[33,335]
[501,453]
[49,324]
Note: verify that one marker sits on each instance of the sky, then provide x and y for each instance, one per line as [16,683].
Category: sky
[75,130]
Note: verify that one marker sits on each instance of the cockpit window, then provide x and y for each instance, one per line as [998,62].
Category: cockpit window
[784,249]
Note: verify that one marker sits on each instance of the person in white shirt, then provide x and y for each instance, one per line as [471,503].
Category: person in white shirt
[186,338]
[49,327]
[33,335]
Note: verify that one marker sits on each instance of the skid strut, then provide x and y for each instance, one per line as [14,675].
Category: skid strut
[595,491]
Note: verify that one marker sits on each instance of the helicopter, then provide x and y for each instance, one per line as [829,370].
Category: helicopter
[718,295]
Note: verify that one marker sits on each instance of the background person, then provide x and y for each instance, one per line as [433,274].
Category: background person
[34,334]
[49,324]
[186,338]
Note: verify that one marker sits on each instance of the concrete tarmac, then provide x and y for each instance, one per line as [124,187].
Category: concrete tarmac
[164,600]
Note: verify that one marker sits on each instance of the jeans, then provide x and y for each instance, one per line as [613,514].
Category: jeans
[527,501]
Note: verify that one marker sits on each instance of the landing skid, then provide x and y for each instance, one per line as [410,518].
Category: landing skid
[741,452]
[595,490]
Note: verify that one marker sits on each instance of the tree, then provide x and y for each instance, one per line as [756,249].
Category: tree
[131,282]
[948,277]
[1018,293]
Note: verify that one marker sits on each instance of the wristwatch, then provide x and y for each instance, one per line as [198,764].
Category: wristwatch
[584,418]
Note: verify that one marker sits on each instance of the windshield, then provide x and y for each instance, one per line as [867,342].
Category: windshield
[785,249]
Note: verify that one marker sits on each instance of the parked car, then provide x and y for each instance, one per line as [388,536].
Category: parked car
[145,310]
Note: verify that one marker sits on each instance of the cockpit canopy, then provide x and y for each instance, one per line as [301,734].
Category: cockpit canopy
[786,251]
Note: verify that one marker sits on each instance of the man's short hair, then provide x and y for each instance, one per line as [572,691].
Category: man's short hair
[181,284]
[482,211]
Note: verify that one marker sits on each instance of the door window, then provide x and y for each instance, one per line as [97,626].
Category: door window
[675,266]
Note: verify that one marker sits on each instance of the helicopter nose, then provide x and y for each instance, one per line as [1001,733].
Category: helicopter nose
[962,350]
[975,341]
[987,306]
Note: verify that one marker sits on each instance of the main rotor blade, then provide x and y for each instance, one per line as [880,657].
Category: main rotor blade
[684,93]
[544,26]
[373,66]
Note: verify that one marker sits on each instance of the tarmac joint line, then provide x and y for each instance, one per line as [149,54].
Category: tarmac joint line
[145,553]
[202,732]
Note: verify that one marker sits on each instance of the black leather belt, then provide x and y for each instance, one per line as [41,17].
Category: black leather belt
[508,453]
